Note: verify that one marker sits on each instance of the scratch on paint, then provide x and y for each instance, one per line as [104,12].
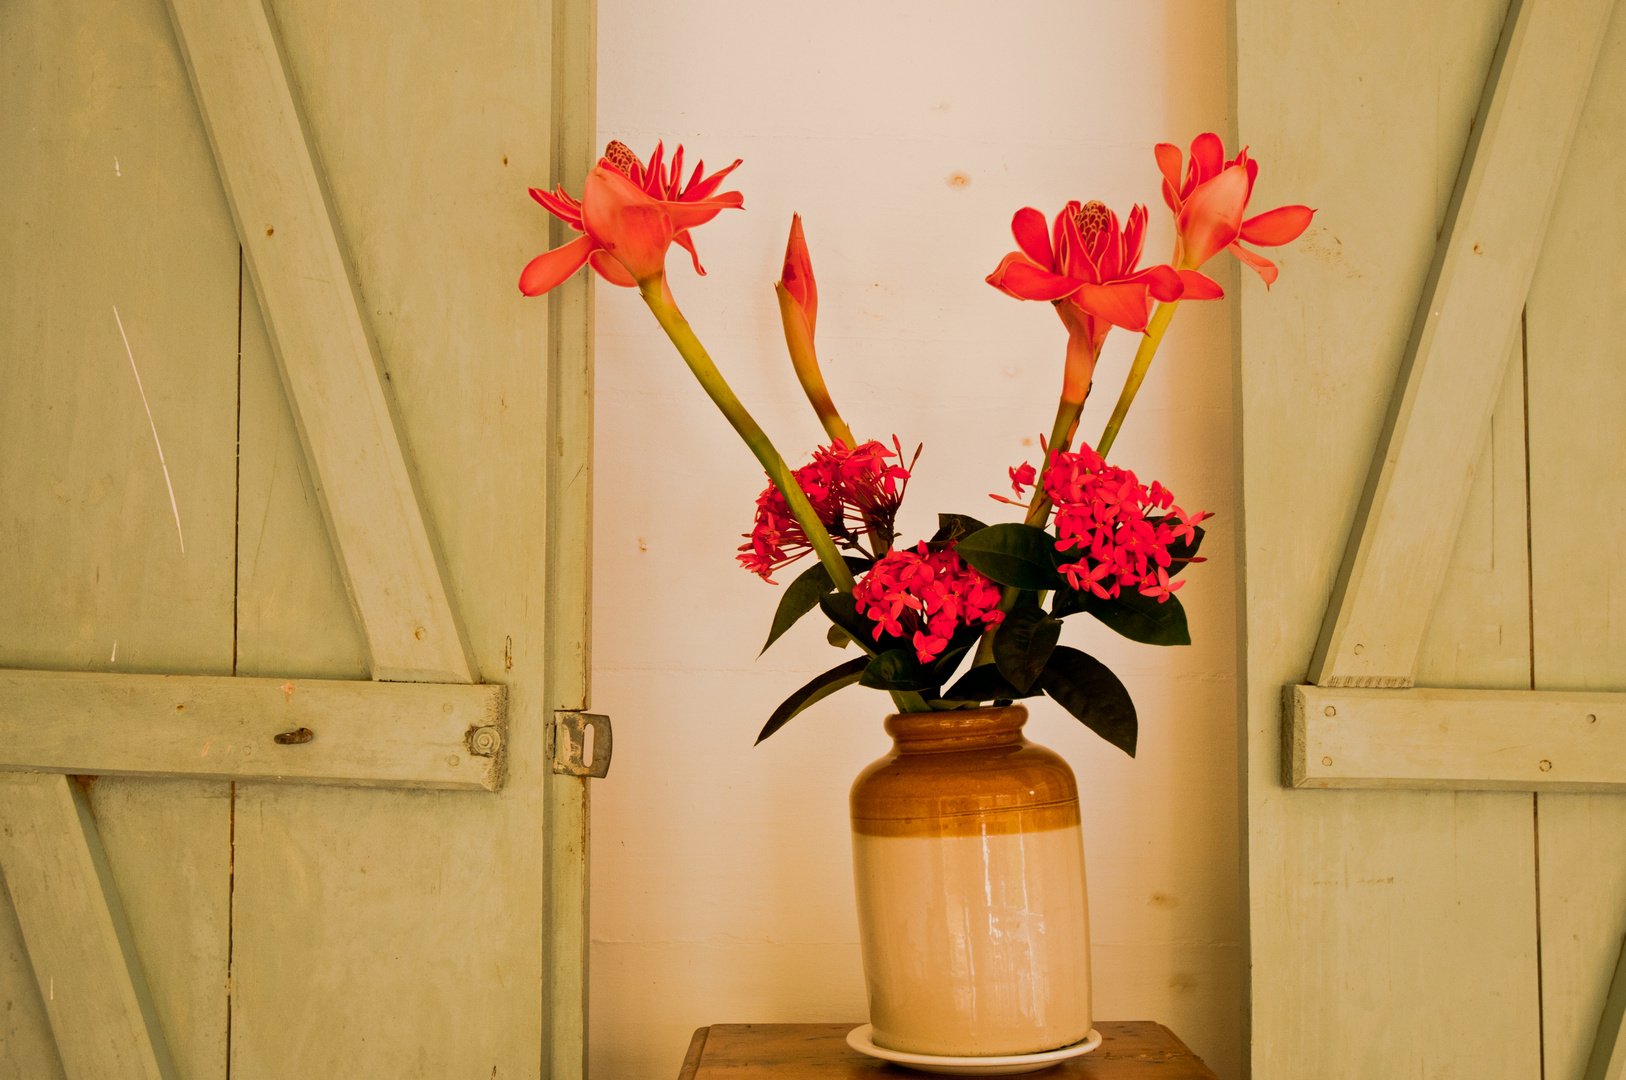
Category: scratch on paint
[114,658]
[161,464]
[288,690]
[206,746]
[116,166]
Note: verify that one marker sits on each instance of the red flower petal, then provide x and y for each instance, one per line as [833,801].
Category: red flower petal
[1199,286]
[610,270]
[1207,157]
[561,206]
[1169,159]
[1032,236]
[686,242]
[1122,303]
[1017,276]
[690,213]
[1212,217]
[551,268]
[1163,281]
[623,219]
[710,184]
[1261,265]
[797,274]
[1276,227]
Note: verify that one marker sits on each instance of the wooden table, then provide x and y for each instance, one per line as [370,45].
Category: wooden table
[1129,1050]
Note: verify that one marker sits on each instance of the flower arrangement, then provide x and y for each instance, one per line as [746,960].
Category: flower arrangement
[1093,539]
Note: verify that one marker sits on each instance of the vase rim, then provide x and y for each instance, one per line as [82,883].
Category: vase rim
[954,729]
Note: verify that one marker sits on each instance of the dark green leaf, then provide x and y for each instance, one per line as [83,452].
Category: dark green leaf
[1023,642]
[896,669]
[1142,618]
[841,609]
[985,683]
[952,528]
[817,690]
[837,636]
[802,596]
[1090,691]
[1013,554]
[1068,601]
[942,669]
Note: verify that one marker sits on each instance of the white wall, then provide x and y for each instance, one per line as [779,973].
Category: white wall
[906,135]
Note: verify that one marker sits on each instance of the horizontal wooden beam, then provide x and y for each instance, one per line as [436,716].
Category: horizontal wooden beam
[1454,740]
[306,731]
[1465,326]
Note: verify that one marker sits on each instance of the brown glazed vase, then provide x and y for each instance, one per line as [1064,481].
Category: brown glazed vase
[969,864]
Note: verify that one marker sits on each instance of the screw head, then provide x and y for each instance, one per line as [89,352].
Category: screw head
[1546,766]
[1330,711]
[1326,761]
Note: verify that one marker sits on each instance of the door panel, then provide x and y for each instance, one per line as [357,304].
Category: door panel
[1576,319]
[112,200]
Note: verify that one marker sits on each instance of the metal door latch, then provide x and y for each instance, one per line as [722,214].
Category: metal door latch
[573,733]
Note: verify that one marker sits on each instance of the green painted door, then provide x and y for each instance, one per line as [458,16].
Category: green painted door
[159,513]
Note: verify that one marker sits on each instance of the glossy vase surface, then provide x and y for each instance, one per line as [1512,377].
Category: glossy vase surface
[968,861]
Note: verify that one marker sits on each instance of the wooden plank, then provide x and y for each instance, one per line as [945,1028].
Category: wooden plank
[111,199]
[417,919]
[691,1060]
[1129,1050]
[362,733]
[1454,740]
[1575,322]
[1608,1058]
[1389,933]
[570,524]
[365,481]
[79,941]
[1453,365]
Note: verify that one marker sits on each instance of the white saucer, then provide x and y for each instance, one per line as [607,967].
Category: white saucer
[859,1039]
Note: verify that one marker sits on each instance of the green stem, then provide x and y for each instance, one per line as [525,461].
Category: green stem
[716,387]
[1137,372]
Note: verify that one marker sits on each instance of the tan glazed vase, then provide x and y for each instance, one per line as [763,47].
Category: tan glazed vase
[969,864]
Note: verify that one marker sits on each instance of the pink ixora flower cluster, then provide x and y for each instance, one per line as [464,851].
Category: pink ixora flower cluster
[856,493]
[1101,512]
[926,595]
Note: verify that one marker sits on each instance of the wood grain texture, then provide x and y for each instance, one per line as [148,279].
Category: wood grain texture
[429,125]
[365,480]
[79,940]
[1576,319]
[364,733]
[1454,362]
[1129,1050]
[1390,933]
[1455,740]
[569,574]
[111,199]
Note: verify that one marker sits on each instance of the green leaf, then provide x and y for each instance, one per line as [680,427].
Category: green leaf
[1012,554]
[942,669]
[1023,643]
[837,636]
[952,528]
[817,690]
[841,609]
[896,669]
[985,683]
[1090,691]
[1142,618]
[802,596]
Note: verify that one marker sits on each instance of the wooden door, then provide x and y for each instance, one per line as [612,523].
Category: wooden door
[1434,477]
[276,422]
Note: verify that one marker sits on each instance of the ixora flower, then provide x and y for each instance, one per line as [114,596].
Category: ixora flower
[1208,205]
[925,596]
[1102,513]
[630,214]
[855,493]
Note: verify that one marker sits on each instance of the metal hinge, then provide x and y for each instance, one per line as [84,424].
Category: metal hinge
[572,731]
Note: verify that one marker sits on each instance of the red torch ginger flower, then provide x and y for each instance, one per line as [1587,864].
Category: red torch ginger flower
[1101,512]
[1086,264]
[630,213]
[925,596]
[1208,206]
[854,493]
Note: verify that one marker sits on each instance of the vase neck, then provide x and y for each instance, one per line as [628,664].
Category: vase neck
[956,729]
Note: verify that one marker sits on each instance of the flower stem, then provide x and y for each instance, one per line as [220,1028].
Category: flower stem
[711,380]
[1137,372]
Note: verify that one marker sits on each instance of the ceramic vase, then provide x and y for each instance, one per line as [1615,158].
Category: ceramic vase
[968,861]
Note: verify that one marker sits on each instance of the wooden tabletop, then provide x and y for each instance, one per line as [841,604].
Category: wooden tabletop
[1129,1050]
